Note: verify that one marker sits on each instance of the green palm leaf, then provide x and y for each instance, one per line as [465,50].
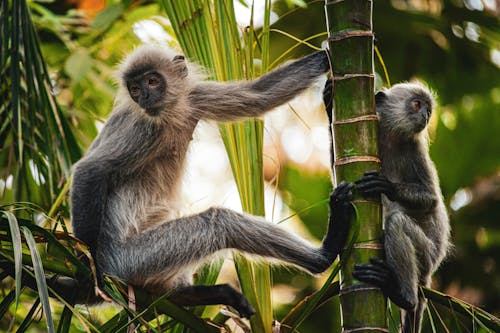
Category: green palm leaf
[37,147]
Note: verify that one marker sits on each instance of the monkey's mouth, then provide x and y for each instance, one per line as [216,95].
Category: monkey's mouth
[153,111]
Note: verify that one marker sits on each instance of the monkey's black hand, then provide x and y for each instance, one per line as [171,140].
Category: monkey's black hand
[341,197]
[379,274]
[327,98]
[341,211]
[374,183]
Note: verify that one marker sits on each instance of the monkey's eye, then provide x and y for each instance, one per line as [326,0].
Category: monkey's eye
[153,81]
[135,90]
[416,105]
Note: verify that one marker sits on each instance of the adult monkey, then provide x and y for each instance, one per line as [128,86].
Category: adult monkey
[123,196]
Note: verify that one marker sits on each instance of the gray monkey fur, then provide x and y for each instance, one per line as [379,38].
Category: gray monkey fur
[124,191]
[415,219]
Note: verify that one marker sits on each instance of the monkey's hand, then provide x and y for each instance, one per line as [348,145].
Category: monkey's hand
[374,183]
[381,275]
[341,211]
[328,98]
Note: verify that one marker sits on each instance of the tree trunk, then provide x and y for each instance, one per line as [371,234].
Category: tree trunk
[355,145]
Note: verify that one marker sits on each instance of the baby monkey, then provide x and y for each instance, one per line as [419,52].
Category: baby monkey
[125,189]
[416,226]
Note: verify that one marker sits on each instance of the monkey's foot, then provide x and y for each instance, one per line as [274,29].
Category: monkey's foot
[374,183]
[381,275]
[244,308]
[341,195]
[341,211]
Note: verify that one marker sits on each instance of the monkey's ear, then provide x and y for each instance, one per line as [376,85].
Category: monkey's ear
[380,97]
[180,65]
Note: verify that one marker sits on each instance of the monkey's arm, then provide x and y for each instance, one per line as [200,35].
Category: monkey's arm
[411,195]
[341,211]
[88,199]
[328,100]
[122,142]
[233,100]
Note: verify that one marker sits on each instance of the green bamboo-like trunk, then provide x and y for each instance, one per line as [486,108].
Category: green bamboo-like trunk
[355,144]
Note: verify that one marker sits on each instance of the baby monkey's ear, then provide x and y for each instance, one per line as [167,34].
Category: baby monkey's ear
[380,97]
[180,65]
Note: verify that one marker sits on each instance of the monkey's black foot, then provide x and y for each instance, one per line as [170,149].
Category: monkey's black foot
[241,305]
[341,211]
[381,275]
[237,301]
[374,183]
[246,311]
[342,195]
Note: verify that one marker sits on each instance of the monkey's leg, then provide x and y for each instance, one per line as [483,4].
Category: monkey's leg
[408,260]
[424,253]
[397,276]
[174,245]
[211,295]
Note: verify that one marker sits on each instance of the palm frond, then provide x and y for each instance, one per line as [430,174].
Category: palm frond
[37,147]
[209,34]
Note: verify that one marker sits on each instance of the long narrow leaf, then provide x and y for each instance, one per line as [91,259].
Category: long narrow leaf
[6,302]
[65,320]
[17,248]
[29,316]
[40,278]
[483,318]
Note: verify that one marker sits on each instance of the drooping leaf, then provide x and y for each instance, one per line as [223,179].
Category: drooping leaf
[40,278]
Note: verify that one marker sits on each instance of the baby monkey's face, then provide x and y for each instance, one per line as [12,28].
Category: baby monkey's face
[419,110]
[404,109]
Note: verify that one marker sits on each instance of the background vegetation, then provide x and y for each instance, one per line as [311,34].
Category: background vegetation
[454,46]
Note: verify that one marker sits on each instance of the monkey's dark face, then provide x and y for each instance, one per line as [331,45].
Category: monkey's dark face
[419,110]
[147,90]
[404,110]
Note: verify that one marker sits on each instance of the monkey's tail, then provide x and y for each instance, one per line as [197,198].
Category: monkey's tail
[412,320]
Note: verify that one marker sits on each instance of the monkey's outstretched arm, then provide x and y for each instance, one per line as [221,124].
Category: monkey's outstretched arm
[234,100]
[411,195]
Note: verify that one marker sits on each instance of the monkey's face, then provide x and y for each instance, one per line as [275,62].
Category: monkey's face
[147,90]
[405,109]
[419,110]
[155,79]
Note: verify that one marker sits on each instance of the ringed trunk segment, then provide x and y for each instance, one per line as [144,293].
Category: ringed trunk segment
[355,131]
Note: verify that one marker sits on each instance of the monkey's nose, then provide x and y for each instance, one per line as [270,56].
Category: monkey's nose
[144,93]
